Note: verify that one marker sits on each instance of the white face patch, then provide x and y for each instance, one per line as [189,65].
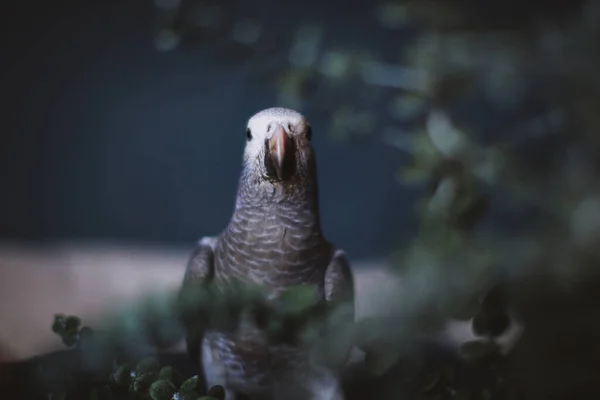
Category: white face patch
[262,125]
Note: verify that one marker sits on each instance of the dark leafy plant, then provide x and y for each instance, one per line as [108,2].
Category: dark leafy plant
[125,378]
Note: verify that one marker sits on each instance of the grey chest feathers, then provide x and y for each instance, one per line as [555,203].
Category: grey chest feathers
[279,247]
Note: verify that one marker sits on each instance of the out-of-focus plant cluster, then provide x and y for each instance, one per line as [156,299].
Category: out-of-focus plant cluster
[123,377]
[118,362]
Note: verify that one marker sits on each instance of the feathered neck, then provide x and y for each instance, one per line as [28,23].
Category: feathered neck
[300,196]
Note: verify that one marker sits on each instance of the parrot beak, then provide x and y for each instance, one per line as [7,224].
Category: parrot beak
[280,150]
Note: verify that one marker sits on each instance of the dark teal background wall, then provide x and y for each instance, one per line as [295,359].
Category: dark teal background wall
[104,137]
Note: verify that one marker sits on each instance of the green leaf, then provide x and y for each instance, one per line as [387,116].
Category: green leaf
[58,325]
[142,383]
[298,299]
[191,395]
[148,364]
[407,106]
[413,174]
[170,374]
[162,390]
[72,323]
[393,15]
[189,385]
[69,338]
[67,327]
[122,375]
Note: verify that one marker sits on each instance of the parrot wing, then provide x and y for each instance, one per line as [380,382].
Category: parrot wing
[199,271]
[339,282]
[339,291]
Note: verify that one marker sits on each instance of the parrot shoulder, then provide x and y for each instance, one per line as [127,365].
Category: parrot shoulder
[339,281]
[200,266]
[200,270]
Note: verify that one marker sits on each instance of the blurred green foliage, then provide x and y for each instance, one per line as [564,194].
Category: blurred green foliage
[127,377]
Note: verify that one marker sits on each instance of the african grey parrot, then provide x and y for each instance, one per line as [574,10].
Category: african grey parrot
[274,238]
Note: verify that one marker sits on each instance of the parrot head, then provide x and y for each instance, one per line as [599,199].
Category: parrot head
[278,148]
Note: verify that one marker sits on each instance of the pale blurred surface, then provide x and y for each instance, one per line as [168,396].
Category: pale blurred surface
[91,280]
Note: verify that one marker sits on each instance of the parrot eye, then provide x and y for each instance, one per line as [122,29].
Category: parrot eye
[308,133]
[248,134]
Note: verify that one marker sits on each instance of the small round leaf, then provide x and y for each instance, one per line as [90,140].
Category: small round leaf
[170,374]
[189,385]
[148,364]
[122,375]
[142,383]
[72,323]
[298,299]
[58,325]
[162,390]
[192,395]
